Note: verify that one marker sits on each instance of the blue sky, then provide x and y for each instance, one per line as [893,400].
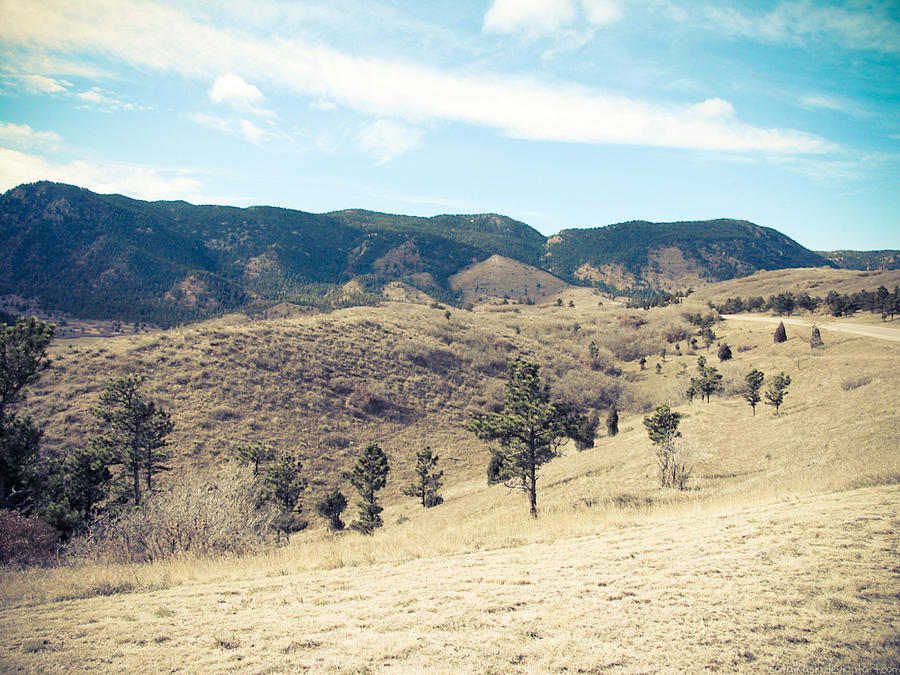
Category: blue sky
[560,113]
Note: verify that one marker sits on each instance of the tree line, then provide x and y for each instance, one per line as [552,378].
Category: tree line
[881,301]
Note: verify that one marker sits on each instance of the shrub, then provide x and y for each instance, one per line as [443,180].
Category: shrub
[724,353]
[855,382]
[207,517]
[24,540]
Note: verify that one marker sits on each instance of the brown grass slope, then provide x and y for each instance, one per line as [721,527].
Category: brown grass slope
[499,277]
[784,553]
[812,280]
[324,386]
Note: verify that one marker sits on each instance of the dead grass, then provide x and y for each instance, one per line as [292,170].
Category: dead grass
[783,554]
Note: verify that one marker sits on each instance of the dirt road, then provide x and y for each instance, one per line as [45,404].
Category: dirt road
[880,332]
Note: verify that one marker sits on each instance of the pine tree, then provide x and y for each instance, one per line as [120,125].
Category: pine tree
[777,391]
[331,507]
[284,484]
[662,428]
[529,429]
[23,357]
[254,454]
[815,338]
[612,421]
[754,380]
[724,352]
[369,475]
[428,479]
[136,430]
[780,333]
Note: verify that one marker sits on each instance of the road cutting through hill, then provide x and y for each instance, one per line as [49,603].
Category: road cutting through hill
[879,332]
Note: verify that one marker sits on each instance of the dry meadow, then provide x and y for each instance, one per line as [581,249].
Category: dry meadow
[782,555]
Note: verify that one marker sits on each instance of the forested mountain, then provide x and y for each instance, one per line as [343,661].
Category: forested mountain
[108,256]
[864,260]
[111,257]
[673,255]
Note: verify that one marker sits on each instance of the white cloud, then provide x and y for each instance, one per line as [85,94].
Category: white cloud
[386,139]
[251,132]
[714,107]
[232,126]
[548,17]
[865,26]
[39,84]
[529,16]
[231,88]
[836,103]
[601,12]
[165,38]
[22,135]
[137,181]
[100,99]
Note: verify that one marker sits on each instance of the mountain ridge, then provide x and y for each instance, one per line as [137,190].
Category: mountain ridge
[165,262]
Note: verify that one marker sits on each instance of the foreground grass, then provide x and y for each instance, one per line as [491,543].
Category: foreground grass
[809,582]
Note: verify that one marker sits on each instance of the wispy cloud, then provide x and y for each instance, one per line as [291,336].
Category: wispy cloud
[23,136]
[386,139]
[107,101]
[858,25]
[546,17]
[839,104]
[142,182]
[233,126]
[163,37]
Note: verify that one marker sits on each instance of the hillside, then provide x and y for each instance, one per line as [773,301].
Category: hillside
[864,260]
[107,256]
[815,282]
[502,278]
[782,551]
[672,256]
[70,252]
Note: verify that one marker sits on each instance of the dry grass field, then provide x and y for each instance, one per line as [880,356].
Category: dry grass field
[814,280]
[782,555]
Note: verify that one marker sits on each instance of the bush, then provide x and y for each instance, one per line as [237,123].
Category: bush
[207,517]
[24,540]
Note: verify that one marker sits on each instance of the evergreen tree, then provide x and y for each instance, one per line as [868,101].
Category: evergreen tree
[529,429]
[815,338]
[780,333]
[23,357]
[612,421]
[254,454]
[724,353]
[754,380]
[369,475]
[708,336]
[331,507]
[777,391]
[136,430]
[709,382]
[284,484]
[662,428]
[428,479]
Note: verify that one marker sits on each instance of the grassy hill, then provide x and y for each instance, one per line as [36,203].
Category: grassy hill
[864,260]
[783,550]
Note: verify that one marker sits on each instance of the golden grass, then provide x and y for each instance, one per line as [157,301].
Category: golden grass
[805,582]
[816,281]
[782,555]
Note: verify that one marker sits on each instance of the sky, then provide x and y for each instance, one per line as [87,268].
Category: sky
[559,113]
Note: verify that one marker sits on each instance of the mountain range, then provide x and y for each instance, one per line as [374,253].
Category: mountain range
[112,257]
